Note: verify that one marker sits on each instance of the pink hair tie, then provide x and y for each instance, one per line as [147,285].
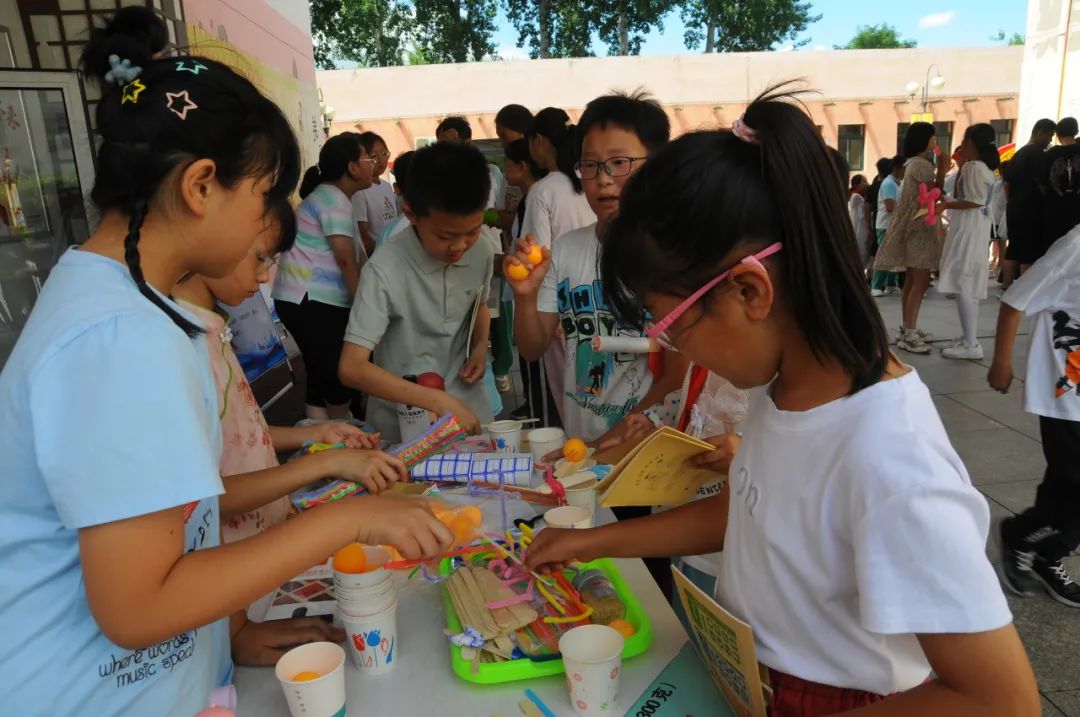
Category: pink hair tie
[743,131]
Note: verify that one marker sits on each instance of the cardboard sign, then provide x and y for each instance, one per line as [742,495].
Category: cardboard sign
[726,647]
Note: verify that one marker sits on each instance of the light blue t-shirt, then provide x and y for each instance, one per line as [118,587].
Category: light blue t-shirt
[391,229]
[107,412]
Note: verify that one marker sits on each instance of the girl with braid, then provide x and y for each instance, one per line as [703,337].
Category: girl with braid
[115,586]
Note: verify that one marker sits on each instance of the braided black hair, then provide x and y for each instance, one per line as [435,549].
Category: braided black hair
[175,111]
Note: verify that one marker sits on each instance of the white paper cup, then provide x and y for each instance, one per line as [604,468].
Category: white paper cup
[372,641]
[505,436]
[569,516]
[361,602]
[323,697]
[583,495]
[375,556]
[592,656]
[543,441]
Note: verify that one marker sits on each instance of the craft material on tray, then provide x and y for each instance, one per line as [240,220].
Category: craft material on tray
[500,468]
[442,434]
[523,668]
[654,471]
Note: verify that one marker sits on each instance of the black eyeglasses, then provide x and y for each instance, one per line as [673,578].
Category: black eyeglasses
[615,167]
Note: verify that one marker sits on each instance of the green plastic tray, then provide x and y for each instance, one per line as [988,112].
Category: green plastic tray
[526,669]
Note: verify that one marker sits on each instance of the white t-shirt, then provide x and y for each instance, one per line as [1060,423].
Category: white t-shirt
[889,189]
[376,205]
[553,208]
[850,530]
[599,389]
[1050,291]
[497,194]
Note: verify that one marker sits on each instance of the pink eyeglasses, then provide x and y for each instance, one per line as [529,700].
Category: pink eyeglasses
[658,331]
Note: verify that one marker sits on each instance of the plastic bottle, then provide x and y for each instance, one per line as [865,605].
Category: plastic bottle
[598,593]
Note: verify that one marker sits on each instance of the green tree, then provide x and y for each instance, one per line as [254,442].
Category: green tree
[455,30]
[372,33]
[1014,39]
[745,25]
[876,37]
[552,28]
[623,24]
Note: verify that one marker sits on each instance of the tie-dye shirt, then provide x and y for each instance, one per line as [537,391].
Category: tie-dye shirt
[309,267]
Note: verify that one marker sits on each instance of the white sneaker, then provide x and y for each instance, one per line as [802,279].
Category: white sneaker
[893,289]
[911,342]
[876,293]
[925,336]
[967,352]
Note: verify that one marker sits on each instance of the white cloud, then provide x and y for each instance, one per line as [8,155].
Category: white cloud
[509,52]
[785,48]
[937,19]
[820,47]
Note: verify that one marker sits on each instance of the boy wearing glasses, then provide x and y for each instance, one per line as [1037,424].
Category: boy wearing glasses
[375,208]
[618,133]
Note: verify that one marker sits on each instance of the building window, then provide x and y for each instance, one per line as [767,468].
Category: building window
[1004,130]
[850,142]
[942,130]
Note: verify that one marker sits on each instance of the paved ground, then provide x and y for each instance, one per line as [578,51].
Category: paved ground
[1000,445]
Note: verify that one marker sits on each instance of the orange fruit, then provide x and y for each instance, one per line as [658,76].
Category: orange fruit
[535,255]
[575,450]
[350,559]
[306,676]
[517,272]
[622,627]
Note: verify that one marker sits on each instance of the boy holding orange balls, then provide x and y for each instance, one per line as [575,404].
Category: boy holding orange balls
[560,287]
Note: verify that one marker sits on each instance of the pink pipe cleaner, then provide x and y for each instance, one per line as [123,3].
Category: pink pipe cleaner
[928,198]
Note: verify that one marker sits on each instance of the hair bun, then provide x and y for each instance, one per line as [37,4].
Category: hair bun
[134,34]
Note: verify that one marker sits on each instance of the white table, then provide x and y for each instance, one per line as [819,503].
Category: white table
[424,684]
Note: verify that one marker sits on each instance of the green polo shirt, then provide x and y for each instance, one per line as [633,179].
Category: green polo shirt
[413,312]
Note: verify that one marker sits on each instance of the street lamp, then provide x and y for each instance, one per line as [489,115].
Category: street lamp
[936,83]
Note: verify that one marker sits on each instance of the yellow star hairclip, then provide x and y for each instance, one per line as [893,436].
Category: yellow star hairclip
[132,92]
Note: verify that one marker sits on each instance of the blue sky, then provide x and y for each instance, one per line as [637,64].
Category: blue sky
[932,23]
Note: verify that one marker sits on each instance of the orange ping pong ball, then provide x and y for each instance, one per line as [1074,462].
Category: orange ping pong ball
[574,450]
[517,272]
[350,559]
[535,255]
[306,676]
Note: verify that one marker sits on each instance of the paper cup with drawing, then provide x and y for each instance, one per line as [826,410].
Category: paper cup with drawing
[372,640]
[592,656]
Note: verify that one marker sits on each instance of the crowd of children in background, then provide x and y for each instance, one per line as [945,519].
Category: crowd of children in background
[144,504]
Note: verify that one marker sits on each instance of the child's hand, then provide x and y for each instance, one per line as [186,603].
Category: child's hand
[374,470]
[404,522]
[632,428]
[530,284]
[263,643]
[1000,375]
[342,432]
[720,459]
[555,548]
[473,369]
[445,403]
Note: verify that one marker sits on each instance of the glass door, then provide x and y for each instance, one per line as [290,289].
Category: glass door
[46,173]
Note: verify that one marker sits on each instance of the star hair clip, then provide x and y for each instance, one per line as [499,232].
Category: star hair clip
[121,72]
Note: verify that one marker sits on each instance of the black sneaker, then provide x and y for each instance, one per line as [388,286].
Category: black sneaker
[1016,566]
[1057,582]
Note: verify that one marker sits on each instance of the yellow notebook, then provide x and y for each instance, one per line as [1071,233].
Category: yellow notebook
[654,471]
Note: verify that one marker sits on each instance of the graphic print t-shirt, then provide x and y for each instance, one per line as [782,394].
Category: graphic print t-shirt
[600,388]
[1050,291]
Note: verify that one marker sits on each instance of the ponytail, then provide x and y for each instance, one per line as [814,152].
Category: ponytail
[312,178]
[984,138]
[710,194]
[554,124]
[134,265]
